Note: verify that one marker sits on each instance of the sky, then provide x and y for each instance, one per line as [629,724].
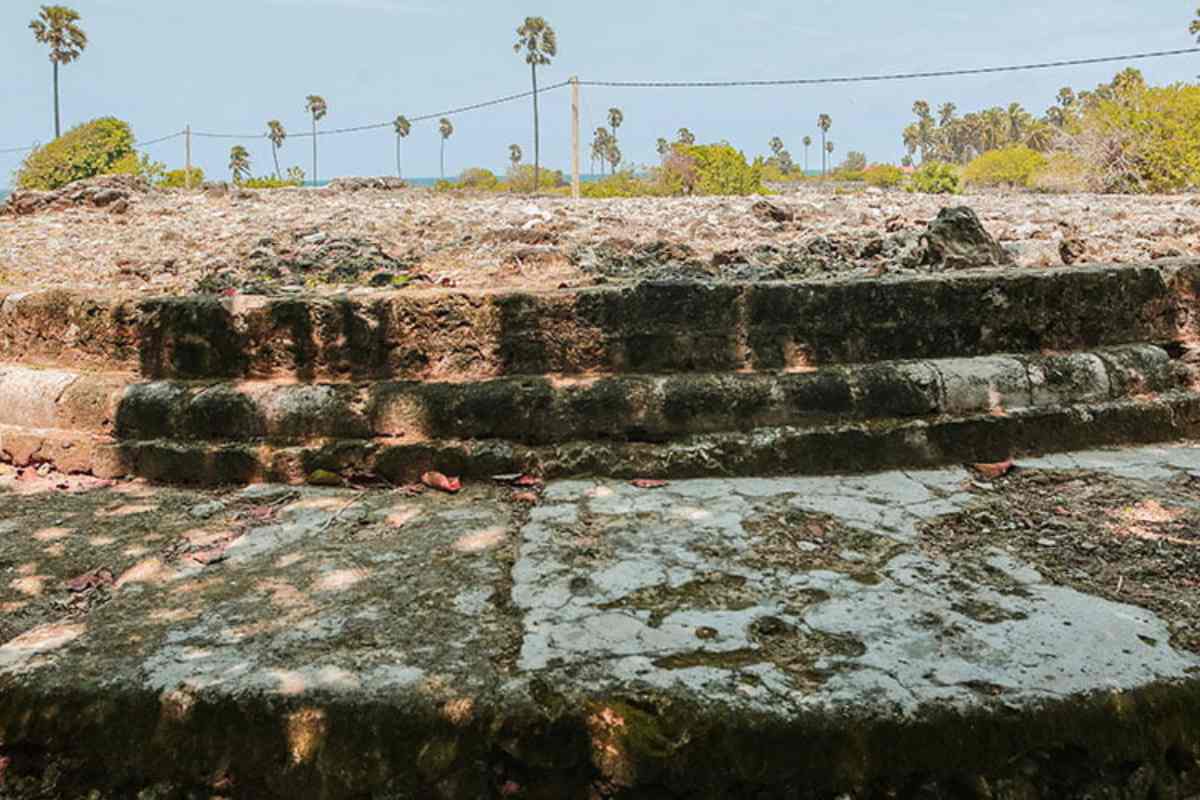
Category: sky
[228,66]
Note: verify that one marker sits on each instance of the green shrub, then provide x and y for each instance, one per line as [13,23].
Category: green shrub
[856,161]
[478,178]
[719,169]
[271,182]
[177,178]
[91,149]
[622,184]
[1062,173]
[934,177]
[520,179]
[848,175]
[772,173]
[884,176]
[1011,166]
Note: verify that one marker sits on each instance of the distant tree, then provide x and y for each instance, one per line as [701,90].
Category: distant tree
[855,161]
[403,128]
[613,155]
[56,26]
[540,44]
[239,163]
[776,145]
[685,136]
[514,154]
[662,146]
[602,142]
[277,135]
[615,119]
[824,122]
[946,114]
[1018,121]
[446,129]
[829,150]
[924,131]
[1194,28]
[807,144]
[315,105]
[906,161]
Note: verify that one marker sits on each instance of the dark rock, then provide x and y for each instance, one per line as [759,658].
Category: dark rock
[956,239]
[1072,250]
[769,212]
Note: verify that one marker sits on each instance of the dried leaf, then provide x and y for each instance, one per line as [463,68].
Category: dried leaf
[436,480]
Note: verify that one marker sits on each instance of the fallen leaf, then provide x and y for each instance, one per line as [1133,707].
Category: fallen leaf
[528,481]
[993,471]
[101,576]
[648,483]
[436,480]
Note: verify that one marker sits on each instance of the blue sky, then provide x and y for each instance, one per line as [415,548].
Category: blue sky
[230,65]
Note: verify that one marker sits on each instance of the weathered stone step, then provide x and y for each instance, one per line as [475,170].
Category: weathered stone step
[676,327]
[548,410]
[846,447]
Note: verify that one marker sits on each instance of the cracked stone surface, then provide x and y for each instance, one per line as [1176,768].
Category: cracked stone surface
[780,597]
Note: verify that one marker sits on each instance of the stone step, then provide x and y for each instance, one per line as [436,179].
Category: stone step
[544,410]
[649,328]
[843,447]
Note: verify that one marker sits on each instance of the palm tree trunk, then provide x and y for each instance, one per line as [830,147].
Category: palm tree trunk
[57,126]
[399,173]
[824,153]
[314,180]
[275,155]
[537,144]
[443,158]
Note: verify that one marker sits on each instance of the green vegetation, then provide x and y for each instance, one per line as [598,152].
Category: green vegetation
[824,122]
[1061,174]
[56,27]
[267,182]
[1013,167]
[935,177]
[239,163]
[277,135]
[446,130]
[713,169]
[99,147]
[317,108]
[540,43]
[403,128]
[883,176]
[178,179]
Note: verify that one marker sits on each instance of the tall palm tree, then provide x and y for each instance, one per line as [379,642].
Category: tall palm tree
[315,105]
[514,155]
[446,129]
[613,154]
[776,145]
[824,122]
[946,114]
[685,136]
[277,135]
[56,26]
[807,144]
[1018,121]
[615,118]
[662,146]
[540,44]
[239,163]
[403,128]
[829,150]
[600,144]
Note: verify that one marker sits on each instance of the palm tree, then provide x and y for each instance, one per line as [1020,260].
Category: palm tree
[946,114]
[239,163]
[686,137]
[447,130]
[829,150]
[600,144]
[824,122]
[613,154]
[540,44]
[276,134]
[663,146]
[403,128]
[514,155]
[615,118]
[807,144]
[1018,121]
[315,104]
[55,26]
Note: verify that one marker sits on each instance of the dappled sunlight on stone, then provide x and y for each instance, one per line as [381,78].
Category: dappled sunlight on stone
[290,560]
[340,579]
[306,731]
[177,704]
[289,682]
[52,534]
[127,510]
[690,513]
[480,541]
[173,615]
[43,639]
[199,537]
[459,711]
[150,571]
[285,596]
[401,515]
[12,607]
[316,504]
[599,492]
[31,585]
[101,541]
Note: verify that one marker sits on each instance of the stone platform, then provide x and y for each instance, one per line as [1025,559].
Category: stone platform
[908,634]
[666,380]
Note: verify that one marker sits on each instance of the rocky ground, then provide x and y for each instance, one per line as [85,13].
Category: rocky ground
[987,590]
[114,233]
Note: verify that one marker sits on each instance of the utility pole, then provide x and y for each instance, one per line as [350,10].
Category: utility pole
[575,189]
[187,174]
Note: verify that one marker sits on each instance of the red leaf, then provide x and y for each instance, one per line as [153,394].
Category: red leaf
[91,580]
[648,483]
[993,471]
[436,480]
[528,481]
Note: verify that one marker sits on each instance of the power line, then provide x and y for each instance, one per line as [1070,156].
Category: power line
[160,139]
[897,76]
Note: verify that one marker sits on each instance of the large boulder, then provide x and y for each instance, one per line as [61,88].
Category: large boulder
[956,239]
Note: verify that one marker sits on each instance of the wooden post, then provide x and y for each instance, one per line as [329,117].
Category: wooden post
[187,174]
[575,190]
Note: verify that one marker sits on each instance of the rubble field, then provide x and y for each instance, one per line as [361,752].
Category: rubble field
[116,233]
